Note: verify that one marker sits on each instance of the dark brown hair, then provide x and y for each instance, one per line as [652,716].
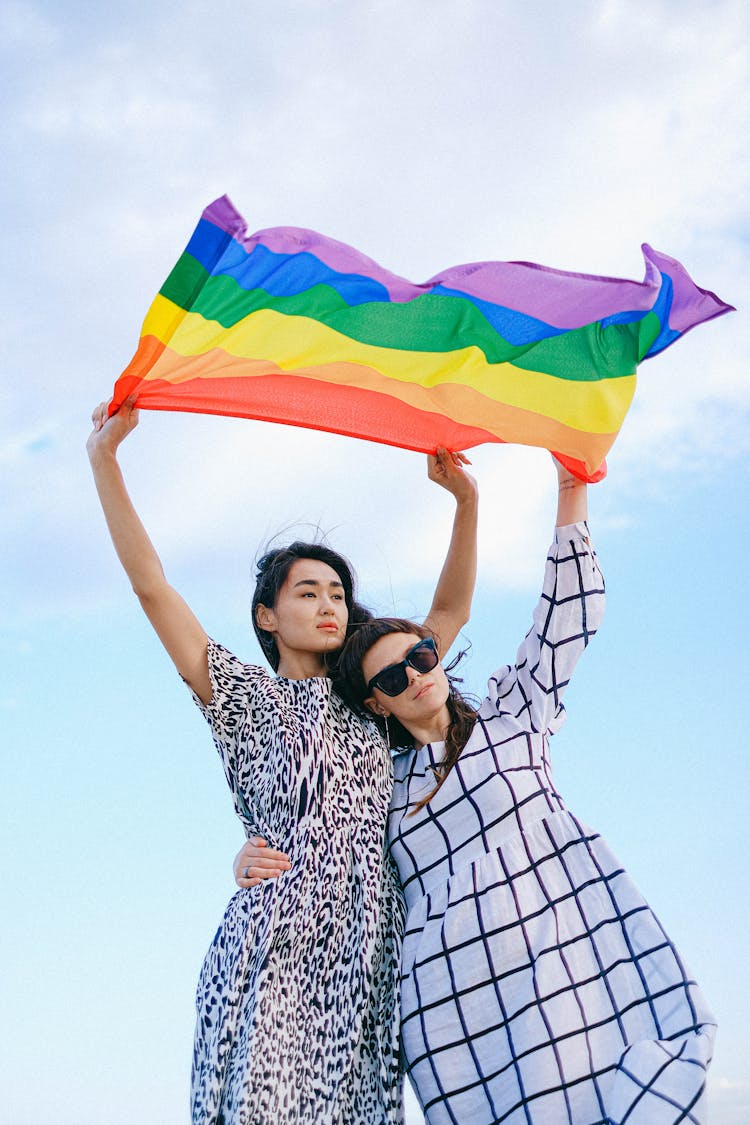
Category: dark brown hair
[349,682]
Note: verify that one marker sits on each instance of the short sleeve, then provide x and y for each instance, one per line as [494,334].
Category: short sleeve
[567,616]
[234,691]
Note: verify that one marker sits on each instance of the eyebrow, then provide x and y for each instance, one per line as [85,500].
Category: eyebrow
[315,582]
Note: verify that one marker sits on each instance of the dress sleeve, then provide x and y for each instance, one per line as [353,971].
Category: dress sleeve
[229,712]
[566,618]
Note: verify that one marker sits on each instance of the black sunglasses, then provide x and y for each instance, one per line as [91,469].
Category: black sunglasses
[423,657]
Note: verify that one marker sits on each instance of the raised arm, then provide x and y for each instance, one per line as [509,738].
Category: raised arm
[566,617]
[451,604]
[176,625]
[572,503]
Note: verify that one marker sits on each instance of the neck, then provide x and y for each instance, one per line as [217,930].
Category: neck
[433,730]
[301,665]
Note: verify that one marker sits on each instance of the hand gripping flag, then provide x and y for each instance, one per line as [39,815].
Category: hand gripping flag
[289,326]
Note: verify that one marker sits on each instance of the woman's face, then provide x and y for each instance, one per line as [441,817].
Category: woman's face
[423,702]
[310,614]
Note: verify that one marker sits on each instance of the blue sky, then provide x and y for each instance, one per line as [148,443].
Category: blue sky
[425,134]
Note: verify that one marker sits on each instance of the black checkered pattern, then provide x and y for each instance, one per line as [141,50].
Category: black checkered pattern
[537,985]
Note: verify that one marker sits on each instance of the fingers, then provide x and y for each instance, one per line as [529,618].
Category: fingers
[99,415]
[253,874]
[446,468]
[109,432]
[447,459]
[256,862]
[257,850]
[453,457]
[265,866]
[438,462]
[126,413]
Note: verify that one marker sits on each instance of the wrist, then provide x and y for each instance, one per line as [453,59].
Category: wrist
[467,499]
[101,456]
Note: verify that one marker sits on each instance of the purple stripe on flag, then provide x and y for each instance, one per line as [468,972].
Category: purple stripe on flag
[558,297]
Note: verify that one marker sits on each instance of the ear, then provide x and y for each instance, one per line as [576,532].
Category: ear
[265,618]
[377,708]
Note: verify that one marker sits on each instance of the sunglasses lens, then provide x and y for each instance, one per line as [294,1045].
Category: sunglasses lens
[392,681]
[424,657]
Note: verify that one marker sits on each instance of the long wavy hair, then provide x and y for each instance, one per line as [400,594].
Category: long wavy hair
[350,683]
[272,570]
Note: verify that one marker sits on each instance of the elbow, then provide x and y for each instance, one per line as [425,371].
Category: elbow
[148,594]
[455,616]
[149,584]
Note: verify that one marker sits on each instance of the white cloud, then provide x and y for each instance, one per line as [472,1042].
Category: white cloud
[565,136]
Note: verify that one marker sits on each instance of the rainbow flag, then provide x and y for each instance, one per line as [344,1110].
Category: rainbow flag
[289,326]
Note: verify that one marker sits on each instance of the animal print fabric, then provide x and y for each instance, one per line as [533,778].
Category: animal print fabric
[296,1013]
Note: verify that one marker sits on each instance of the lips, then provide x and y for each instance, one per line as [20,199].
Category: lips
[425,688]
[329,628]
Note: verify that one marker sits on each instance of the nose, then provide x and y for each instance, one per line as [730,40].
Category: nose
[412,674]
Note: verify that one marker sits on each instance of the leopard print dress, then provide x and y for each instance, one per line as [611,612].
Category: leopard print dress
[297,1017]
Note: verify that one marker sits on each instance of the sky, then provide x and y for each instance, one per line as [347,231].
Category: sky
[425,134]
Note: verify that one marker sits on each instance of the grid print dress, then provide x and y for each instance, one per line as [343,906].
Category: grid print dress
[537,985]
[296,1003]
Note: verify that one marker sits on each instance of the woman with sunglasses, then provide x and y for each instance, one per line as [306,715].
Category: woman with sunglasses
[536,984]
[296,1002]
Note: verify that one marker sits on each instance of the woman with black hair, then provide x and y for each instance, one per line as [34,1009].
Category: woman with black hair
[297,1019]
[537,986]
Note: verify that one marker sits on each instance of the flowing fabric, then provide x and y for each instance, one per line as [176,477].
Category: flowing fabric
[290,326]
[538,987]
